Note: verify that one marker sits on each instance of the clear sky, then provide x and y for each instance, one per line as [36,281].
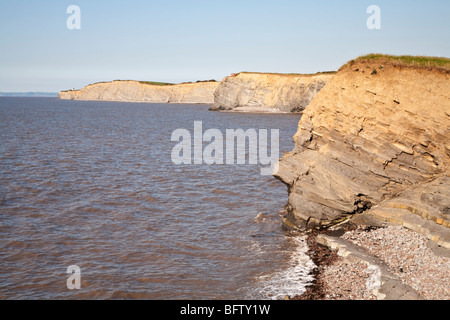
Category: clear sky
[190,40]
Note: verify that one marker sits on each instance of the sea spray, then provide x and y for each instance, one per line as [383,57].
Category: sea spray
[293,278]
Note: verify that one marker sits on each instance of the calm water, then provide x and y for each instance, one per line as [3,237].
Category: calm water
[92,184]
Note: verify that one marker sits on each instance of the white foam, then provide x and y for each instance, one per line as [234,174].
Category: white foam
[293,279]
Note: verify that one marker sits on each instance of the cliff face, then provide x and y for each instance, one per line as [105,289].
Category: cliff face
[251,92]
[134,91]
[373,135]
[268,92]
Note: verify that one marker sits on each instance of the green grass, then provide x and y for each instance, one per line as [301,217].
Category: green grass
[156,83]
[199,81]
[288,74]
[438,63]
[153,83]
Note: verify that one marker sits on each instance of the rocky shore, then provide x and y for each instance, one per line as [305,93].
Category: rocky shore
[375,135]
[381,262]
[370,173]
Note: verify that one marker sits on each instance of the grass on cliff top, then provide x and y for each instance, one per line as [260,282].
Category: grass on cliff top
[156,83]
[153,83]
[289,74]
[432,63]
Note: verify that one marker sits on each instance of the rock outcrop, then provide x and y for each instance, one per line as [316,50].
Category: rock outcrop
[262,92]
[135,91]
[377,135]
[247,92]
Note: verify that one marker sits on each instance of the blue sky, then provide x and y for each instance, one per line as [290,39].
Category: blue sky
[177,41]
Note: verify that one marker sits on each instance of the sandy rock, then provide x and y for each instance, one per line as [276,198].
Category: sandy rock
[366,138]
[258,92]
[134,91]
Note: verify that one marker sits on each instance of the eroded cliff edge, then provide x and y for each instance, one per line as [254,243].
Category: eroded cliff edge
[246,92]
[135,91]
[265,92]
[375,139]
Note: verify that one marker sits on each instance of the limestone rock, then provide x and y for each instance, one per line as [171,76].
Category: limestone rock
[259,92]
[134,91]
[364,139]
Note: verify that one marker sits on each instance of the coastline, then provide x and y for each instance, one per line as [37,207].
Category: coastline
[366,168]
[371,169]
[244,92]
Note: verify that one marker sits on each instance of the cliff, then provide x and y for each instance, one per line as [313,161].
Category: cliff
[374,140]
[134,91]
[250,92]
[264,92]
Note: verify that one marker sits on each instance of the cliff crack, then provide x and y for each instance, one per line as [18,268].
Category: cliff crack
[362,203]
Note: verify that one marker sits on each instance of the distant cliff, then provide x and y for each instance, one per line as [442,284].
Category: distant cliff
[248,92]
[265,92]
[135,91]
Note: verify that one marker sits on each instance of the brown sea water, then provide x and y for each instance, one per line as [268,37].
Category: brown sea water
[93,184]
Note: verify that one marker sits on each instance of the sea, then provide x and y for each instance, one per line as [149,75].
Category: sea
[92,206]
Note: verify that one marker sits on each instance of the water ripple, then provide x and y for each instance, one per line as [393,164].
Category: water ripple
[92,184]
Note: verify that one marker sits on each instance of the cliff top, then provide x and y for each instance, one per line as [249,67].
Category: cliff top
[288,74]
[150,83]
[439,64]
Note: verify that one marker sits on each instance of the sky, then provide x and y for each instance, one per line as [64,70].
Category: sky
[178,41]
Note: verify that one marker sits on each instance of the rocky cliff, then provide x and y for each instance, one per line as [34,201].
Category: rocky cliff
[134,91]
[375,139]
[250,92]
[268,92]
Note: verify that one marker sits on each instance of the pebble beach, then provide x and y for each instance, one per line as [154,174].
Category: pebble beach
[415,260]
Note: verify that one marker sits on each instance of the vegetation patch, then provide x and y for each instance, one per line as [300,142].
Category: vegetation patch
[430,63]
[199,81]
[288,74]
[156,83]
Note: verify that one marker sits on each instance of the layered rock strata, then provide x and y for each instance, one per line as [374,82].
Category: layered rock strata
[376,135]
[262,92]
[135,91]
